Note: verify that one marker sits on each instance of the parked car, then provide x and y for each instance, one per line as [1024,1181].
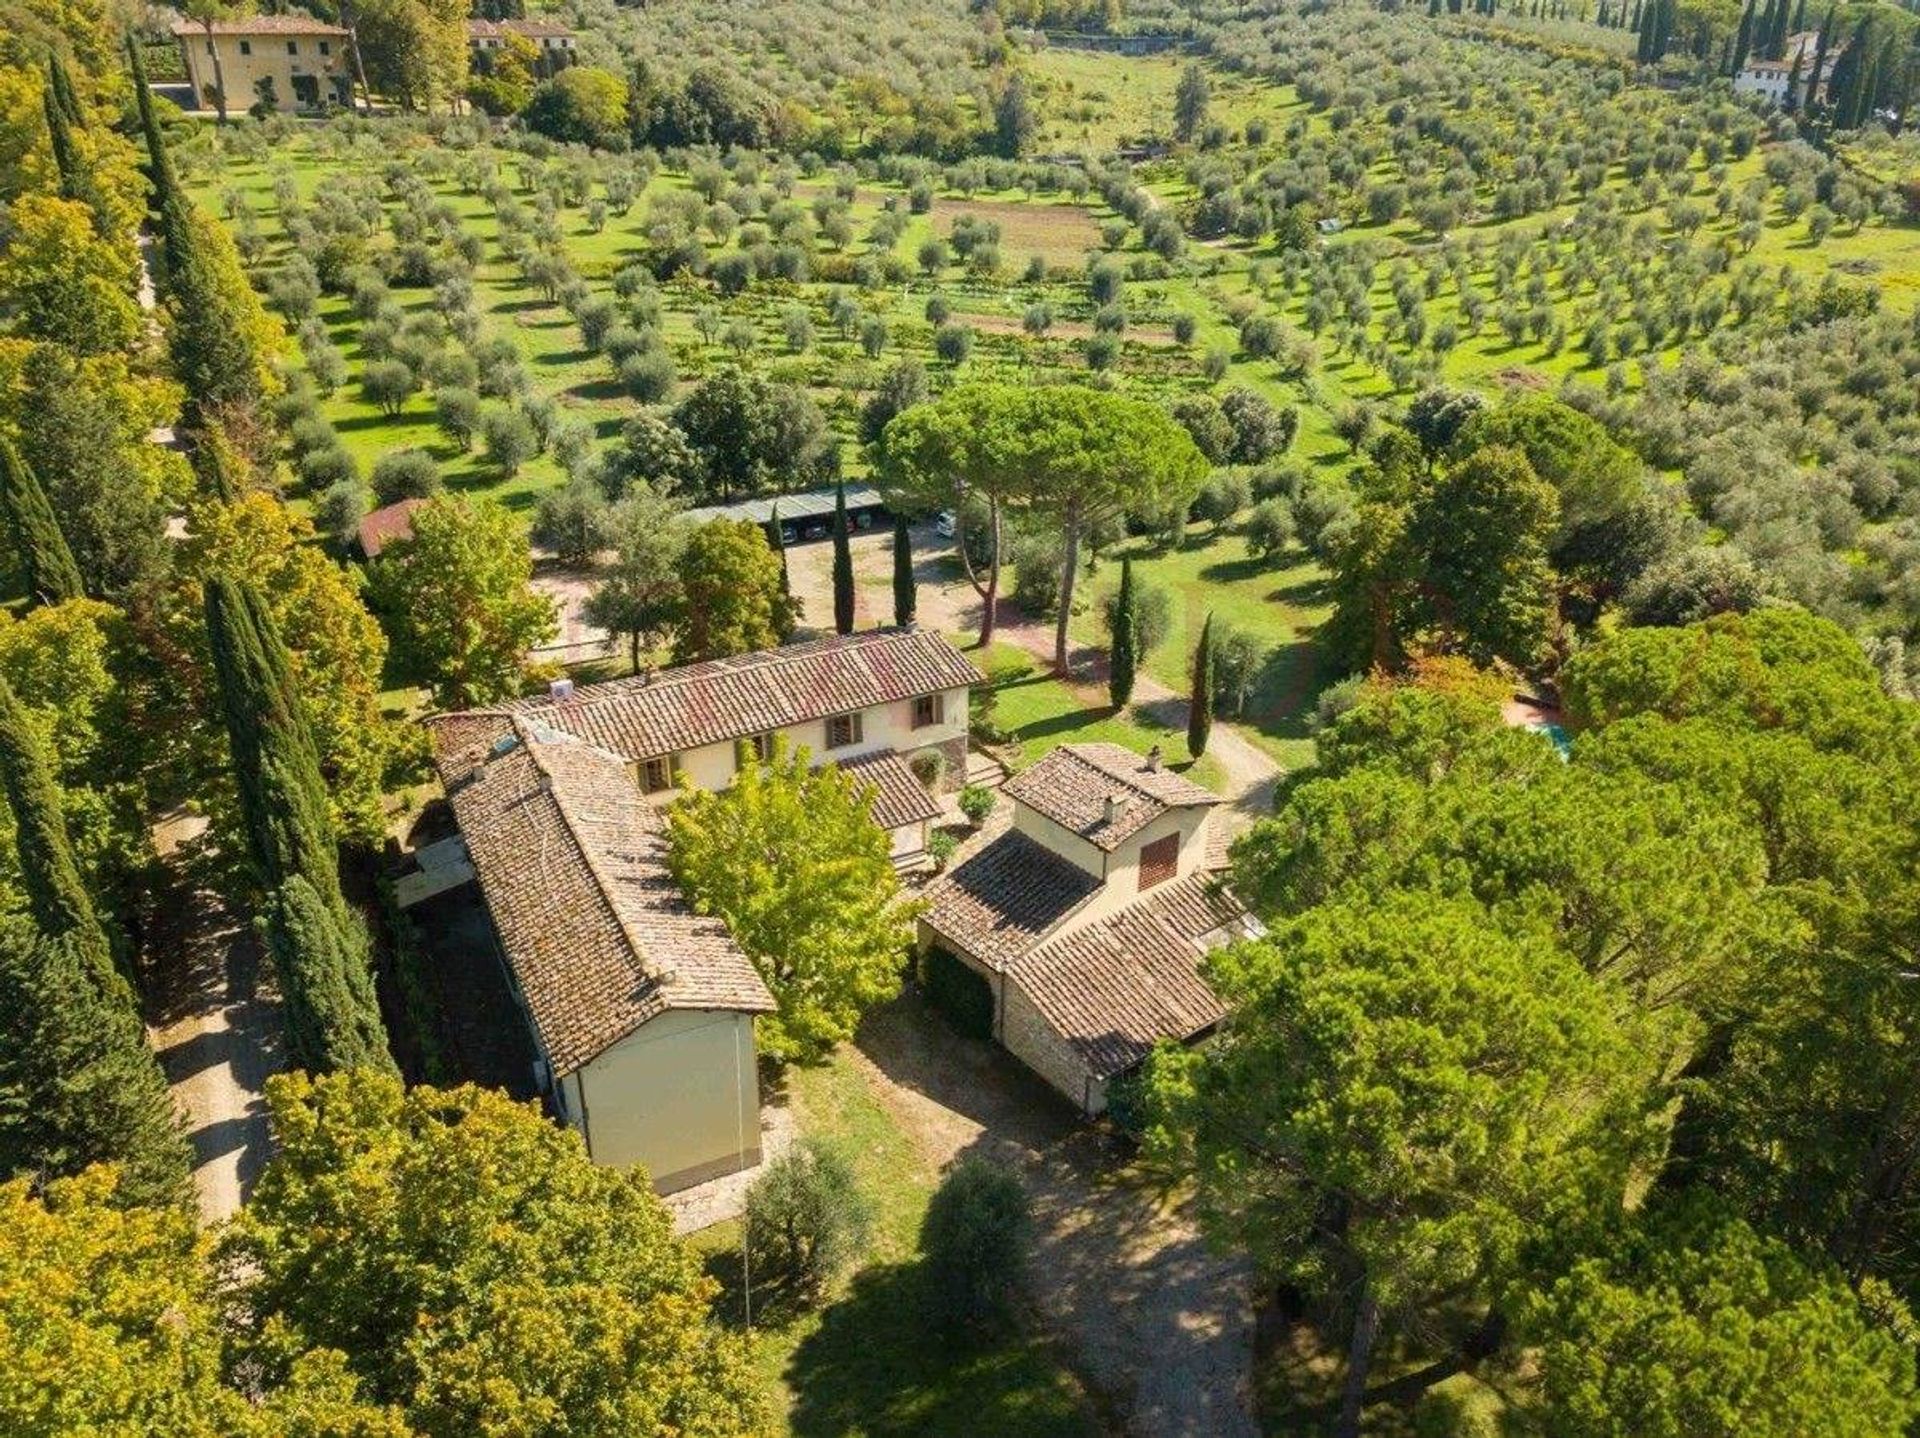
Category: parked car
[789,535]
[863,520]
[816,529]
[943,524]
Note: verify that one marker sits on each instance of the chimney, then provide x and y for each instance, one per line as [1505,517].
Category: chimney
[1115,803]
[560,690]
[1153,759]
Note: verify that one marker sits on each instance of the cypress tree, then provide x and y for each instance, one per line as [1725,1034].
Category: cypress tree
[1799,26]
[60,82]
[46,562]
[842,563]
[1125,658]
[210,337]
[63,116]
[905,599]
[317,944]
[1200,704]
[1742,41]
[217,463]
[1819,74]
[1792,101]
[78,1084]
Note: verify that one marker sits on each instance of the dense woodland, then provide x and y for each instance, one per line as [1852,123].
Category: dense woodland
[1570,1092]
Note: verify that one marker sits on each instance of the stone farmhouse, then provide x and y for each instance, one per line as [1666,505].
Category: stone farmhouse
[641,1012]
[1086,920]
[554,42]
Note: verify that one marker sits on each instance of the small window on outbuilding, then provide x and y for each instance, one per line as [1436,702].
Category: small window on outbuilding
[843,730]
[927,711]
[1159,861]
[293,47]
[657,775]
[246,47]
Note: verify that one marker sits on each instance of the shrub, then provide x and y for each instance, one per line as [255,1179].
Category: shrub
[806,1221]
[941,847]
[573,521]
[509,439]
[1225,495]
[457,411]
[1269,529]
[648,376]
[938,309]
[1152,613]
[929,767]
[974,1241]
[337,513]
[596,320]
[953,343]
[326,466]
[976,802]
[1103,351]
[387,384]
[1183,328]
[405,474]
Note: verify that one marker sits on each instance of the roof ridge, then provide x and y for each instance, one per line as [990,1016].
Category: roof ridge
[659,973]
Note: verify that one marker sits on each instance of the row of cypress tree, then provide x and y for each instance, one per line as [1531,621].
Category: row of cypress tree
[905,596]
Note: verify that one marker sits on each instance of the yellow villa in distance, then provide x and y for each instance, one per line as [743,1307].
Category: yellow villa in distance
[293,62]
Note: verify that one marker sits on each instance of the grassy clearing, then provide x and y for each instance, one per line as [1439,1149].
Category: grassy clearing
[872,1361]
[1281,604]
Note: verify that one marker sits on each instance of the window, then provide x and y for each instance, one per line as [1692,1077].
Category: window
[293,47]
[927,710]
[762,747]
[246,47]
[325,48]
[656,775]
[1159,861]
[843,730]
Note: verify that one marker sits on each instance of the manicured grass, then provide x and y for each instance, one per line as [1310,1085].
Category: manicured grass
[1281,604]
[873,1361]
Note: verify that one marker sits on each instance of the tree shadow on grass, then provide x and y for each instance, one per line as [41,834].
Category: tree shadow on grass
[880,1363]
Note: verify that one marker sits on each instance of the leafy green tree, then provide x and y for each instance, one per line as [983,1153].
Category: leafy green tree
[904,590]
[1014,121]
[1123,657]
[807,1220]
[640,595]
[111,1322]
[46,564]
[64,281]
[732,596]
[791,859]
[318,947]
[1404,1100]
[582,105]
[415,51]
[749,432]
[1594,477]
[1200,696]
[477,1269]
[460,592]
[1190,99]
[843,591]
[1691,1325]
[973,1241]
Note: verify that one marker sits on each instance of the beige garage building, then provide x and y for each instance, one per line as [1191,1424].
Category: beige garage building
[642,1011]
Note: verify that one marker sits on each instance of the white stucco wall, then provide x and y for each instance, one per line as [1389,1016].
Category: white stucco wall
[680,1094]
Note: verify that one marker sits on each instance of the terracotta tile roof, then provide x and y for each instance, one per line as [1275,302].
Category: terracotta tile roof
[1006,898]
[261,25]
[387,525]
[1073,783]
[899,798]
[694,704]
[572,864]
[1114,988]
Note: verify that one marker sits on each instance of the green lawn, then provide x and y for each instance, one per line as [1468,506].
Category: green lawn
[1281,604]
[872,1362]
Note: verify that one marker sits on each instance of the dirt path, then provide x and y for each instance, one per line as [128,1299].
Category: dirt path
[948,603]
[215,1024]
[1156,1322]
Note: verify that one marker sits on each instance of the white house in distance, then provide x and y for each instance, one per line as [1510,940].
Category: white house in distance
[554,42]
[304,61]
[1087,919]
[1771,77]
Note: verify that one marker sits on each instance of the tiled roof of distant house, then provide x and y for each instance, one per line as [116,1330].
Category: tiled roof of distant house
[387,525]
[261,25]
[572,863]
[1073,784]
[677,709]
[499,29]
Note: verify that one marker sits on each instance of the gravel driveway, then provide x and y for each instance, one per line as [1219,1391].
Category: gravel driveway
[1153,1320]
